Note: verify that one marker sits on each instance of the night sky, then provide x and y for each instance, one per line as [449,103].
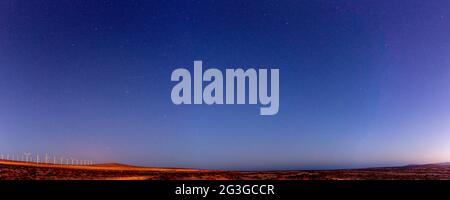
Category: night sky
[362,83]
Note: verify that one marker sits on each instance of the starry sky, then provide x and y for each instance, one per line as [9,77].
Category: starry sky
[362,83]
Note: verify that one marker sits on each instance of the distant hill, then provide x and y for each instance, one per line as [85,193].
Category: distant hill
[115,165]
[433,165]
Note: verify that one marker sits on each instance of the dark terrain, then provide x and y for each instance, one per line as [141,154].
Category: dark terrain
[10,170]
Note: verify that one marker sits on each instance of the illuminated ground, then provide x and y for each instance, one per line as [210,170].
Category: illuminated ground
[11,170]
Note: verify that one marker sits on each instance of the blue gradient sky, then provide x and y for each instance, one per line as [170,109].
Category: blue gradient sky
[362,83]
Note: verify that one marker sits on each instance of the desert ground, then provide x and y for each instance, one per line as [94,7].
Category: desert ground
[13,170]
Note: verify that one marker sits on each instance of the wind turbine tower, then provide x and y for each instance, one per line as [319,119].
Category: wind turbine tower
[27,155]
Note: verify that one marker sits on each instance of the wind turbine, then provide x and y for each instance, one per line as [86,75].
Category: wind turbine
[27,155]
